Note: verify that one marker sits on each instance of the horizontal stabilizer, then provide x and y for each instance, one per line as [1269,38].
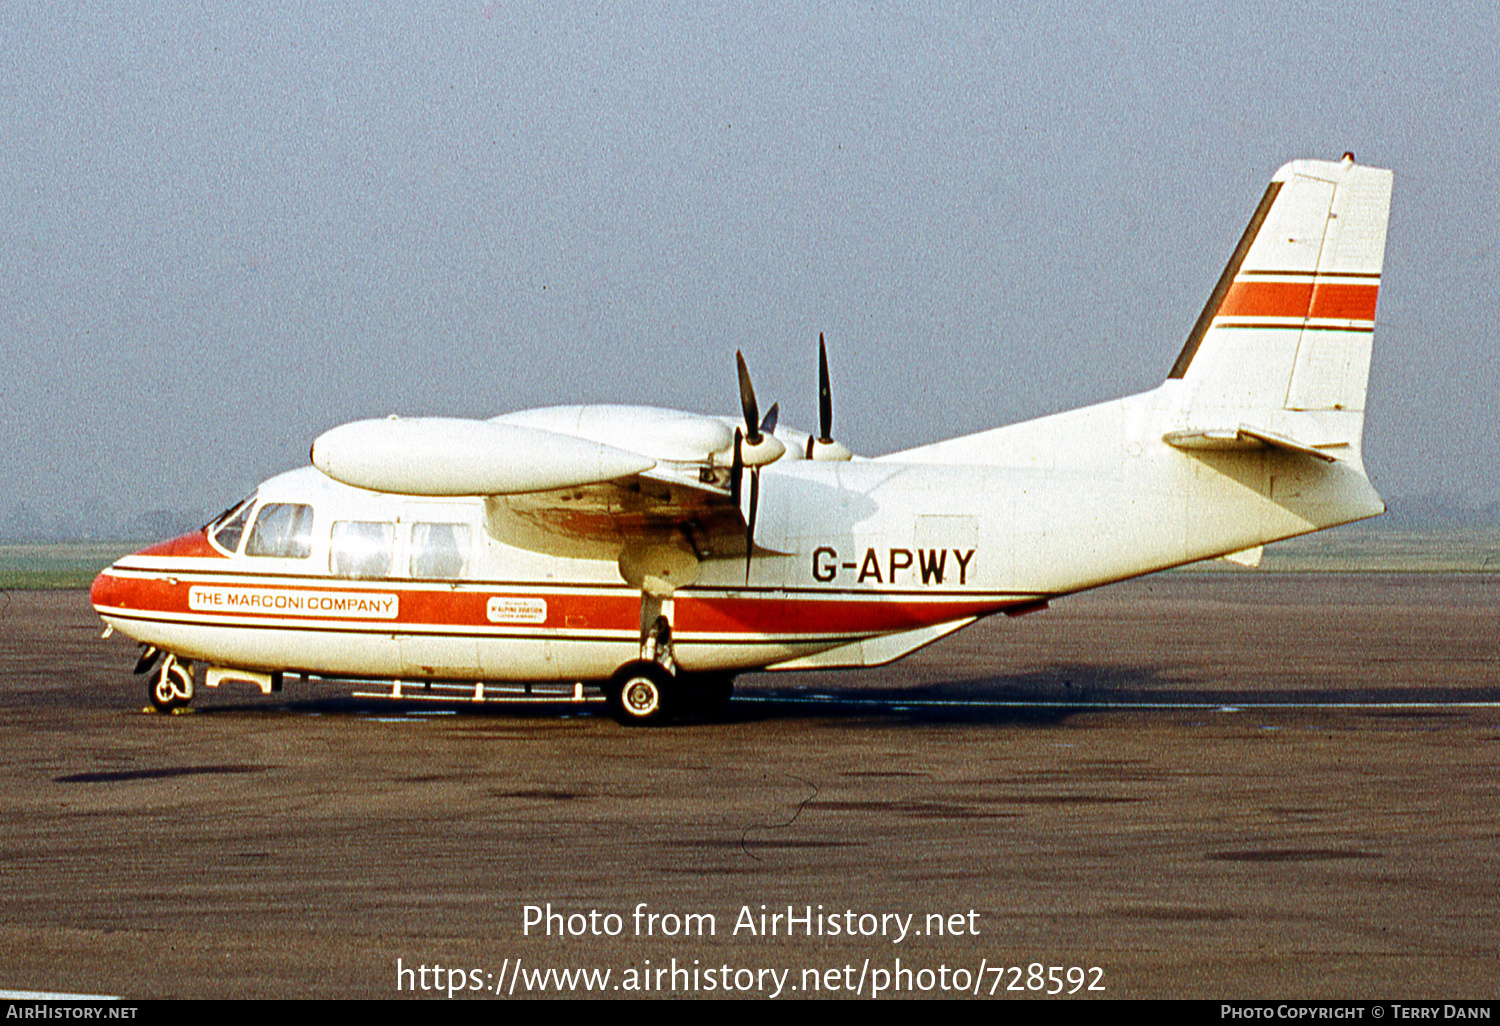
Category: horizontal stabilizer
[1247,439]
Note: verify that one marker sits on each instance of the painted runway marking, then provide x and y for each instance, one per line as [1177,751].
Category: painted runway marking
[905,705]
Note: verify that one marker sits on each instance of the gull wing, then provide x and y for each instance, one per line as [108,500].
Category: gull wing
[601,520]
[583,482]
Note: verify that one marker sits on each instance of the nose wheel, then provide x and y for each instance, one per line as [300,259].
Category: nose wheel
[171,685]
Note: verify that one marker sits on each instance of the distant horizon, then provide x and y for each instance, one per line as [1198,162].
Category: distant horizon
[20,525]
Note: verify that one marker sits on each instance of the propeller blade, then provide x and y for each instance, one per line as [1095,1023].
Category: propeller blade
[822,446]
[736,468]
[750,521]
[747,401]
[825,395]
[768,426]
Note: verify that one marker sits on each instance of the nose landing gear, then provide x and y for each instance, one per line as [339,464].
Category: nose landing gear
[171,685]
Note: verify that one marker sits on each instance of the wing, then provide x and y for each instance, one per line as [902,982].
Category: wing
[601,520]
[592,482]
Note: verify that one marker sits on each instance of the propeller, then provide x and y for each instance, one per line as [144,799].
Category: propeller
[736,467]
[750,520]
[754,447]
[824,447]
[747,401]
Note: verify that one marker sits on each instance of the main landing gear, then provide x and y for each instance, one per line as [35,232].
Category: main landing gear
[641,693]
[644,694]
[651,690]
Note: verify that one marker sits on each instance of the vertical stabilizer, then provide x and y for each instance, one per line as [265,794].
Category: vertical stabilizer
[1286,334]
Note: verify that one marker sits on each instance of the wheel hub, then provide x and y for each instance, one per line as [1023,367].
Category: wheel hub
[642,697]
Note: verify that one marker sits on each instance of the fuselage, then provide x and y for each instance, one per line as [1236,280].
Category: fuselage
[318,577]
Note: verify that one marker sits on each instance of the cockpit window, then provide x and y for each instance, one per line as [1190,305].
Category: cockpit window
[282,529]
[439,550]
[362,549]
[228,527]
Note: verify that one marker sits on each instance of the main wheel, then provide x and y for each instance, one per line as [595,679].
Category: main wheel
[641,693]
[171,686]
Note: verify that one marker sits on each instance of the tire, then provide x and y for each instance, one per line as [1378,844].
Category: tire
[641,694]
[171,686]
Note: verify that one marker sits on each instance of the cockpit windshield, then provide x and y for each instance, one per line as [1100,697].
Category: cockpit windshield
[282,529]
[228,527]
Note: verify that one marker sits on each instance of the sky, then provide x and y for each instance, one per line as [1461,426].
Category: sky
[226,228]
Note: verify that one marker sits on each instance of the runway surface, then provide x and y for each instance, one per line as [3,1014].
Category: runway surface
[1218,785]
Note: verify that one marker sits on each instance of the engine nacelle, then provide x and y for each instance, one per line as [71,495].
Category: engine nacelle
[438,456]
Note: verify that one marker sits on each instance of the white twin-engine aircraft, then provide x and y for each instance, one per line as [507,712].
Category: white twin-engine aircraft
[654,554]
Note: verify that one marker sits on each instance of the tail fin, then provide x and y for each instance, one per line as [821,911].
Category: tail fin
[1284,341]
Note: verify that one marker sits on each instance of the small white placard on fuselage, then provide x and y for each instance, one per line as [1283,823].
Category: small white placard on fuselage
[294,603]
[505,609]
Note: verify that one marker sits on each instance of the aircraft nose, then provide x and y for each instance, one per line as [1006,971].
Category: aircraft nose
[192,544]
[105,590]
[113,590]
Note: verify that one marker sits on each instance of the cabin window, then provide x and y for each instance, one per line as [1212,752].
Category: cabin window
[282,529]
[229,527]
[362,549]
[439,550]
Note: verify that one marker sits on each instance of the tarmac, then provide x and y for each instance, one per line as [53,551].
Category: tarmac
[1225,786]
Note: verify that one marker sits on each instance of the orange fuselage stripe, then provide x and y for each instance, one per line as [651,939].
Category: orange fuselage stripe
[459,610]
